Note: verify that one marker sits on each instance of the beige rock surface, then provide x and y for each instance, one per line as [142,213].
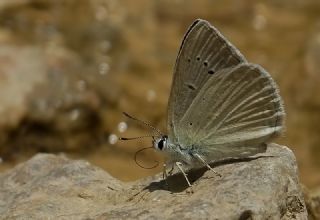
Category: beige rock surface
[54,187]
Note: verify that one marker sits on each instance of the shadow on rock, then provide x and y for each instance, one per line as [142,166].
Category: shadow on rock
[176,182]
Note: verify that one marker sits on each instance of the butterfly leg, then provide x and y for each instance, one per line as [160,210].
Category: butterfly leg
[165,175]
[207,165]
[179,165]
[171,170]
[164,171]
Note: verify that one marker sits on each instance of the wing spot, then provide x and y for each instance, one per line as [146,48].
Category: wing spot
[190,123]
[211,72]
[189,60]
[190,86]
[205,63]
[198,58]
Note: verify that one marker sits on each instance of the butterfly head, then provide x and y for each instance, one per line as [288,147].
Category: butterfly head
[160,143]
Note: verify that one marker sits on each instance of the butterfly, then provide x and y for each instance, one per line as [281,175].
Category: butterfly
[220,105]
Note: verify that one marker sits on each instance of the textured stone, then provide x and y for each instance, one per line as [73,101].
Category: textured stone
[42,96]
[48,186]
[312,200]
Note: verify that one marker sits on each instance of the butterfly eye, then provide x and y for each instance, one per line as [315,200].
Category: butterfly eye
[161,144]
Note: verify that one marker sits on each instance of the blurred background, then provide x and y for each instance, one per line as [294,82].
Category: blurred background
[68,69]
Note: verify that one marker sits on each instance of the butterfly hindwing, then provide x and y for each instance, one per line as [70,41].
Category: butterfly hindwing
[235,111]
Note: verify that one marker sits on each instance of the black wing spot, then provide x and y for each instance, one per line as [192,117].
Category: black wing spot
[198,58]
[189,60]
[211,72]
[190,123]
[190,86]
[205,63]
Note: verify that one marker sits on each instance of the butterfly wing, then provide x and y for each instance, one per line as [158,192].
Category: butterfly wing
[235,111]
[203,52]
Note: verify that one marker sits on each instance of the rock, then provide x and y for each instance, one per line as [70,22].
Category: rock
[43,95]
[312,199]
[55,76]
[48,186]
[18,76]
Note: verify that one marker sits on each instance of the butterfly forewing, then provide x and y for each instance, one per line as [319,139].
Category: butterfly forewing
[204,52]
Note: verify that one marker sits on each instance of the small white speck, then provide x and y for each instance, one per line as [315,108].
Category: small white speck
[113,138]
[81,84]
[104,68]
[101,13]
[74,115]
[105,46]
[259,22]
[156,199]
[1,160]
[151,95]
[122,126]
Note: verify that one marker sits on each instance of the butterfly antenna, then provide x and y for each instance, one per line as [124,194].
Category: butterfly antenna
[144,123]
[134,138]
[135,159]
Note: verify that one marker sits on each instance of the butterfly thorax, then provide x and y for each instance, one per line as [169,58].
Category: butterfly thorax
[177,152]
